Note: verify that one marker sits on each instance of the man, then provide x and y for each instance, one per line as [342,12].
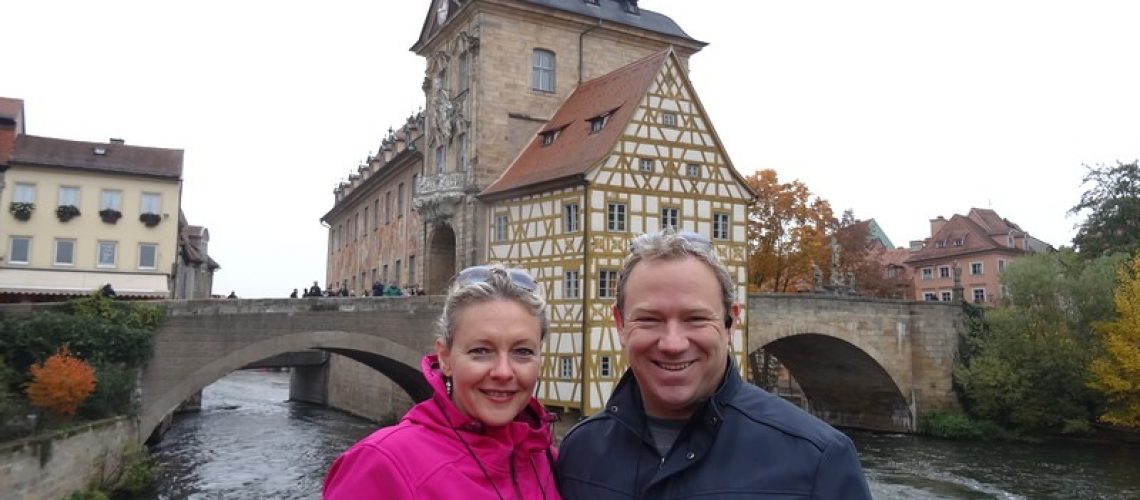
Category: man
[681,423]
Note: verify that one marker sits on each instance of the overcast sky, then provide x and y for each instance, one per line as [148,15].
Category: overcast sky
[902,110]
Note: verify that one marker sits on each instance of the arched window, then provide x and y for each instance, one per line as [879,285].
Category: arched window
[542,75]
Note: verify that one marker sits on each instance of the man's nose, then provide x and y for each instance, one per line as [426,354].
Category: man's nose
[674,340]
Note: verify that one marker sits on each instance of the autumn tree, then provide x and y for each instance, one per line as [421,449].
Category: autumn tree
[787,233]
[861,255]
[61,383]
[1113,203]
[1116,372]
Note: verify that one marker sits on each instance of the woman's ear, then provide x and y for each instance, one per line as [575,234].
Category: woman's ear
[444,355]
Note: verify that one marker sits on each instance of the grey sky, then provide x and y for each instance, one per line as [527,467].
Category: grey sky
[900,110]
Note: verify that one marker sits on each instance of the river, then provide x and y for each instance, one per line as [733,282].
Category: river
[249,442]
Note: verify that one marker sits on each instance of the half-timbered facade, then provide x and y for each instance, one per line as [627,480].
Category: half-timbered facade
[630,152]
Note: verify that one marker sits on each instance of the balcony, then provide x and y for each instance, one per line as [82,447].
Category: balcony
[438,196]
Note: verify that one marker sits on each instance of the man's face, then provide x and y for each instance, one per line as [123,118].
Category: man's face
[674,334]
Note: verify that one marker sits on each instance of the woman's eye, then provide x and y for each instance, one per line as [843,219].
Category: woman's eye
[479,351]
[524,352]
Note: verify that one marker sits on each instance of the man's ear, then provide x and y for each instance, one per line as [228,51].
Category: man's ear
[619,322]
[733,316]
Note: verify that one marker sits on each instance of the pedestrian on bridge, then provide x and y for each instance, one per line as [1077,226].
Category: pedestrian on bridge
[481,435]
[681,423]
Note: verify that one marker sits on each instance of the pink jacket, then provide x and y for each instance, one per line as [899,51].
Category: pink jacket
[423,456]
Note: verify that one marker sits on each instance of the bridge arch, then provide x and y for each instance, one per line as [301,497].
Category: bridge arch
[202,341]
[844,384]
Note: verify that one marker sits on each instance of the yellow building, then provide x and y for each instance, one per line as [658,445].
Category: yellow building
[81,215]
[627,153]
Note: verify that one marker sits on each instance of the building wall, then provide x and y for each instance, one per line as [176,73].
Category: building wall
[88,229]
[989,280]
[64,462]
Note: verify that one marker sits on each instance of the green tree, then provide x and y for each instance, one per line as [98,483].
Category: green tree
[1113,205]
[1026,364]
[1116,372]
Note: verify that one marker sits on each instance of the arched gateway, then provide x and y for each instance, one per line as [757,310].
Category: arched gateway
[202,341]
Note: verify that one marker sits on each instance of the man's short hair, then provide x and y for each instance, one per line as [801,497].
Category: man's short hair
[673,245]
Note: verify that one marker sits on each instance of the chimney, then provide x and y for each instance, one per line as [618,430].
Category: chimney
[915,245]
[120,142]
[936,224]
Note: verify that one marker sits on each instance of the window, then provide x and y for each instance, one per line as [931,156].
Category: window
[565,367]
[111,199]
[24,193]
[669,119]
[411,270]
[385,274]
[400,200]
[720,226]
[464,71]
[979,295]
[151,203]
[355,225]
[148,256]
[19,250]
[669,218]
[615,217]
[570,218]
[376,213]
[607,284]
[1009,240]
[892,272]
[366,218]
[387,207]
[646,165]
[501,227]
[542,75]
[396,272]
[107,254]
[415,180]
[927,273]
[64,252]
[947,296]
[461,155]
[975,268]
[68,195]
[440,159]
[958,242]
[944,272]
[605,367]
[548,137]
[693,170]
[570,289]
[1001,265]
[930,297]
[939,244]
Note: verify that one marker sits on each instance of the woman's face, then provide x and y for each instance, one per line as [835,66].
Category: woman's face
[493,360]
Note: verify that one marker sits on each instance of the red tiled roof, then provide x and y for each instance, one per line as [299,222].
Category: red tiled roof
[575,150]
[974,237]
[894,257]
[118,158]
[993,223]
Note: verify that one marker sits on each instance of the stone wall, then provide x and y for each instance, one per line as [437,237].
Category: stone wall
[361,390]
[53,466]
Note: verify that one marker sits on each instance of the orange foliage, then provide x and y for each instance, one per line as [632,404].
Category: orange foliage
[787,233]
[61,383]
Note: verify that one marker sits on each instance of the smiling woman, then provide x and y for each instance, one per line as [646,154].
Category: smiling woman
[481,432]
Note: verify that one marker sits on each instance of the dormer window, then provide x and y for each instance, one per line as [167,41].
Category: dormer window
[100,151]
[939,244]
[958,242]
[597,123]
[631,7]
[548,137]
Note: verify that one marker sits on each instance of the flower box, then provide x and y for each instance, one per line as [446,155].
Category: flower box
[66,212]
[150,219]
[110,215]
[21,210]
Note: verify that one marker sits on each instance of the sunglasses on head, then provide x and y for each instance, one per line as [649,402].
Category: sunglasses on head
[697,241]
[481,274]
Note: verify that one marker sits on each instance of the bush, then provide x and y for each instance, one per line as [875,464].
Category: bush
[61,383]
[137,472]
[951,425]
[113,394]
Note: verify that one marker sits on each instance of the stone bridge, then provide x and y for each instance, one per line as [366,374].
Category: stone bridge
[863,363]
[203,340]
[866,363]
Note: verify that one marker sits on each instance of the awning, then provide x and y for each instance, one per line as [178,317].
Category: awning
[74,283]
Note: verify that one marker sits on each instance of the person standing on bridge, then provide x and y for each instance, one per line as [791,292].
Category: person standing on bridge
[482,434]
[681,423]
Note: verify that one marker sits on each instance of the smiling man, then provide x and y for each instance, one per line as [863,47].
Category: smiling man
[681,423]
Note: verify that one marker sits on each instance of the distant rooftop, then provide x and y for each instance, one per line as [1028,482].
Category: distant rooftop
[113,156]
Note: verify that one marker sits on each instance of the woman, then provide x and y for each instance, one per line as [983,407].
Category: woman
[481,434]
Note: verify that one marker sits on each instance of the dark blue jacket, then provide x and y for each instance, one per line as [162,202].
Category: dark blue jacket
[741,443]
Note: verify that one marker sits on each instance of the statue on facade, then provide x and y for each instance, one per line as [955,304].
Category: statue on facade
[816,278]
[443,112]
[836,276]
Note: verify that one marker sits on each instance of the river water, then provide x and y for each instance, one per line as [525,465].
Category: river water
[249,442]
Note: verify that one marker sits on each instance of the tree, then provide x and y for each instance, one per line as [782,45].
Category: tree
[1028,364]
[1116,372]
[1113,201]
[61,383]
[787,232]
[862,257]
